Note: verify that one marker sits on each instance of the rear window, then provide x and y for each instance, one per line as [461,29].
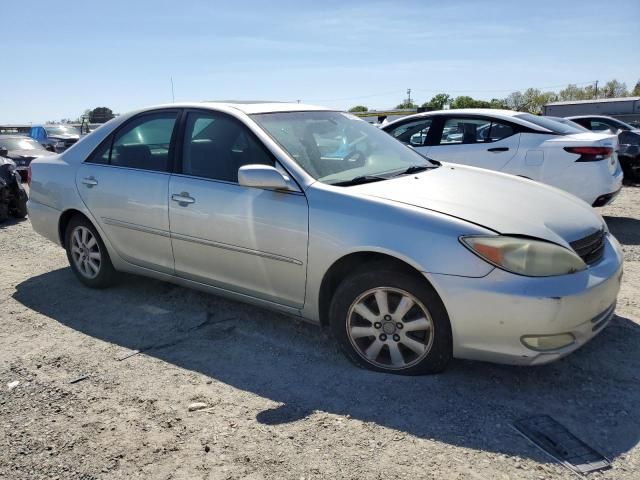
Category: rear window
[552,125]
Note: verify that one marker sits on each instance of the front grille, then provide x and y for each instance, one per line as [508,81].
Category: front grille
[590,248]
[69,142]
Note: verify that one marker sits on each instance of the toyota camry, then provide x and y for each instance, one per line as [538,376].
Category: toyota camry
[317,214]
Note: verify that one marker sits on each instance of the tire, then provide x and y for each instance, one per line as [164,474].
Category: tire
[85,246]
[20,207]
[4,203]
[429,339]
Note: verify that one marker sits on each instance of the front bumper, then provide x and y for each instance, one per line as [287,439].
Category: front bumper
[490,315]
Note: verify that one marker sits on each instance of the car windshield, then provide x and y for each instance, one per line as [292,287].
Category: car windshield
[336,147]
[549,124]
[619,124]
[25,143]
[61,130]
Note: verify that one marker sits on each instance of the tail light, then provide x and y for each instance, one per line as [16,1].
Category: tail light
[590,154]
[29,176]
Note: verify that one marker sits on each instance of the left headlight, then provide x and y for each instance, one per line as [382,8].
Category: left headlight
[524,256]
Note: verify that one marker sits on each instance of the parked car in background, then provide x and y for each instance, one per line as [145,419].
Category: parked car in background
[628,141]
[601,123]
[56,138]
[406,261]
[22,150]
[13,198]
[566,121]
[582,163]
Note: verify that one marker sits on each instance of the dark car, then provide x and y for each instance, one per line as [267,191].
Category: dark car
[56,138]
[13,198]
[628,140]
[22,150]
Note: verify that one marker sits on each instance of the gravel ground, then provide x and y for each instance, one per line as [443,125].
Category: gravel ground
[281,401]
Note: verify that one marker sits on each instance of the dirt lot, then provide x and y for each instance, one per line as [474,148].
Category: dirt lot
[282,403]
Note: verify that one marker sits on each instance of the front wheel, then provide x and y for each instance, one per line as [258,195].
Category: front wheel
[390,321]
[88,255]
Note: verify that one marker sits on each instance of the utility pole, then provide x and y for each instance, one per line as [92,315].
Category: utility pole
[409,96]
[596,92]
[173,95]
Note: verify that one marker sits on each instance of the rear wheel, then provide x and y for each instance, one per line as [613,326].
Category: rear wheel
[88,255]
[390,321]
[19,209]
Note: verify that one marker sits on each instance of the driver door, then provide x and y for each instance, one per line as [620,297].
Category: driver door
[247,240]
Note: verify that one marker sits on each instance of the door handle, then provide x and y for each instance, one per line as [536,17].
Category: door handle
[183,198]
[90,181]
[497,149]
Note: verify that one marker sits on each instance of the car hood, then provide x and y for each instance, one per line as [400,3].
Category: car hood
[503,203]
[29,153]
[63,137]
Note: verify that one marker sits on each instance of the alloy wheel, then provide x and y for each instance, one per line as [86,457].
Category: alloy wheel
[85,252]
[390,328]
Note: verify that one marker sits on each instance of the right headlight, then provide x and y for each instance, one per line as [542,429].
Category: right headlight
[524,256]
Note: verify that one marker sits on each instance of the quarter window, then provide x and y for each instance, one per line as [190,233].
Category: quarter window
[216,146]
[457,131]
[414,133]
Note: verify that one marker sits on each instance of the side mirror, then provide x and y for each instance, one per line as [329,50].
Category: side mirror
[262,176]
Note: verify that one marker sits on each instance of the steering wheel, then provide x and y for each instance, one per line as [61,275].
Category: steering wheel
[354,156]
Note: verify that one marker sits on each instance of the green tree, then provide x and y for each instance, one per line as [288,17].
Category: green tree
[463,101]
[359,108]
[613,89]
[636,90]
[572,92]
[438,101]
[100,115]
[406,105]
[498,103]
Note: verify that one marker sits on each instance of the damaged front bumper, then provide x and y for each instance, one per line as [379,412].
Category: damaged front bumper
[491,316]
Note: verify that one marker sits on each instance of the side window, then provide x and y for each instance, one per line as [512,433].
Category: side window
[144,142]
[414,133]
[215,146]
[498,131]
[599,126]
[458,131]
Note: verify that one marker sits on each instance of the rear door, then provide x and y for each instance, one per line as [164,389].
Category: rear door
[478,141]
[125,184]
[247,240]
[414,133]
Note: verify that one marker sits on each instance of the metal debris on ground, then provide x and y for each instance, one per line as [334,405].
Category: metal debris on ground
[562,445]
[79,379]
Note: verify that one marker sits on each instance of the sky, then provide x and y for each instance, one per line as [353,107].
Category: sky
[61,58]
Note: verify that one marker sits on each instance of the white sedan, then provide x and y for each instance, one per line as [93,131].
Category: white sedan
[582,163]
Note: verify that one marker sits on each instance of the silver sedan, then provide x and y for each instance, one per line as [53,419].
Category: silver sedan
[320,215]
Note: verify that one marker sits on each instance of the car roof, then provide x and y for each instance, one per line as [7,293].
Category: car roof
[496,113]
[248,107]
[590,116]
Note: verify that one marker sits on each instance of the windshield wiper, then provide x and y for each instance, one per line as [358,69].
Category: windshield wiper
[359,180]
[415,169]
